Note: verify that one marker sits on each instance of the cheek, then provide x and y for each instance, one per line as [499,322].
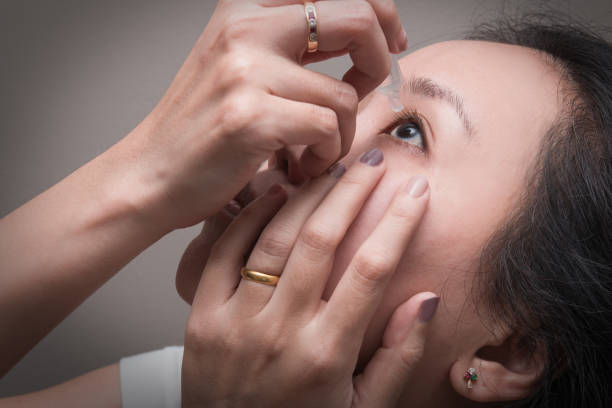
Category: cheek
[359,231]
[439,259]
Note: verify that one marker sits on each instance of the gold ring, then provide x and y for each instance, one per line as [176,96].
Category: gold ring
[263,278]
[313,28]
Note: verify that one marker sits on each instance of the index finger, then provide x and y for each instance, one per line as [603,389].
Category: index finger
[389,20]
[354,26]
[343,26]
[360,290]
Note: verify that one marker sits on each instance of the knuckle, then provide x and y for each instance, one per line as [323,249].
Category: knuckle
[238,67]
[351,180]
[346,97]
[371,270]
[324,362]
[409,356]
[218,252]
[237,112]
[273,341]
[318,238]
[327,122]
[403,211]
[363,18]
[199,334]
[274,246]
[386,11]
[236,28]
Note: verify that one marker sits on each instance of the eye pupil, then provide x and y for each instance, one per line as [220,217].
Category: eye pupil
[409,132]
[406,131]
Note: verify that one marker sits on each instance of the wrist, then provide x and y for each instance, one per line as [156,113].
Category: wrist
[130,190]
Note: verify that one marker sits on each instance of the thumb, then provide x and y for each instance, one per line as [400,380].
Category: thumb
[383,380]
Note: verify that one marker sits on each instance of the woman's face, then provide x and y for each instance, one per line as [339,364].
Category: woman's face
[483,109]
[477,113]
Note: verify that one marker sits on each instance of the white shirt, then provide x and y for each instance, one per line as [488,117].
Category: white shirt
[153,379]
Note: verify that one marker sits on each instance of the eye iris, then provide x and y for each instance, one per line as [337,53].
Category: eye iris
[407,131]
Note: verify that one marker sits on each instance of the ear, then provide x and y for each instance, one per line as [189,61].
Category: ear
[507,370]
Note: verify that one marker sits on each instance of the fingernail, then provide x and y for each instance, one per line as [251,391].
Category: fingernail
[428,309]
[417,186]
[275,190]
[336,170]
[372,158]
[233,208]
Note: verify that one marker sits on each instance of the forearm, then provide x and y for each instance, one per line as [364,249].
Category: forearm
[97,389]
[65,243]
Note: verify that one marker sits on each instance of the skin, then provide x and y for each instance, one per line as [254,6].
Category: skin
[100,388]
[193,153]
[510,95]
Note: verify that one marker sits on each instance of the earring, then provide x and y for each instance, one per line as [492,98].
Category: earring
[471,377]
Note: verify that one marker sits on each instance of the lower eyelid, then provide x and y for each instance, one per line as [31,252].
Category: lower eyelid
[386,139]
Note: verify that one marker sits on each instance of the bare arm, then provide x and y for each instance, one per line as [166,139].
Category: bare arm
[198,148]
[60,247]
[97,389]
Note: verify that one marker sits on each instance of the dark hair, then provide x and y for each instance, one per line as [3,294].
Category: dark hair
[548,271]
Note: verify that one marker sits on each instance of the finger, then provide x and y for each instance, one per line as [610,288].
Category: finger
[288,82]
[342,25]
[221,274]
[386,12]
[389,20]
[194,258]
[311,260]
[276,241]
[287,160]
[360,290]
[353,25]
[302,124]
[392,366]
[260,183]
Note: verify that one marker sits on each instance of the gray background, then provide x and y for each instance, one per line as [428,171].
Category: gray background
[75,76]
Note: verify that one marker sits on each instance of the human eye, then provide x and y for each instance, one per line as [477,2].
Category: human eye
[408,131]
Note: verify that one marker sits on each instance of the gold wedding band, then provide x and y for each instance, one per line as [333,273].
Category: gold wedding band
[259,277]
[313,28]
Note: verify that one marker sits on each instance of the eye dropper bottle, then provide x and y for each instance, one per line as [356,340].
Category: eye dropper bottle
[392,86]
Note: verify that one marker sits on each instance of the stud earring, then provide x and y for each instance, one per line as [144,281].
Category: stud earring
[470,377]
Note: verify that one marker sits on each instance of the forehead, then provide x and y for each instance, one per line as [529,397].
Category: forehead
[510,95]
[500,84]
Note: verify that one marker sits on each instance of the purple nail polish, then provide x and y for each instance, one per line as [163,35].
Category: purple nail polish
[428,309]
[336,170]
[233,208]
[372,158]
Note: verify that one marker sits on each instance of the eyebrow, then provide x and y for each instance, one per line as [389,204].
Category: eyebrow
[428,88]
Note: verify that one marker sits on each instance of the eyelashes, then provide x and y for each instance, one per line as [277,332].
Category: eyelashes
[408,130]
